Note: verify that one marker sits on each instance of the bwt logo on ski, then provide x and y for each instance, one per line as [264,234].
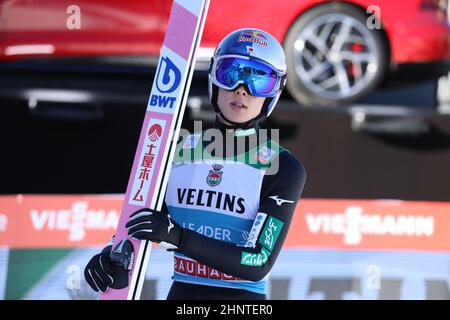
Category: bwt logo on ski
[168,80]
[168,77]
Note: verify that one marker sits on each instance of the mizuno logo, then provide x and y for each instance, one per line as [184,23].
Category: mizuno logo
[280,201]
[170,225]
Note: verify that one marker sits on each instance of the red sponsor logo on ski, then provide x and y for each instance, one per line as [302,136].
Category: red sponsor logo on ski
[154,133]
[144,171]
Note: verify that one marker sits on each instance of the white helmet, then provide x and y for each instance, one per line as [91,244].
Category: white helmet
[253,58]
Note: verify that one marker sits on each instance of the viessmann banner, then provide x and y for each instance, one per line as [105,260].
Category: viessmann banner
[336,249]
[48,221]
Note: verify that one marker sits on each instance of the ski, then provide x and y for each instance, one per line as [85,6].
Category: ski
[158,137]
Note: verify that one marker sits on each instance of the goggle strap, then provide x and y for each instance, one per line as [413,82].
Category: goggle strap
[283,82]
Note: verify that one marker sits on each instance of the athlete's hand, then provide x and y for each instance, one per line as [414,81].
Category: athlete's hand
[156,226]
[101,273]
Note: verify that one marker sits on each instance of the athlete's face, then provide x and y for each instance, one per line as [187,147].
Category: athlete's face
[238,105]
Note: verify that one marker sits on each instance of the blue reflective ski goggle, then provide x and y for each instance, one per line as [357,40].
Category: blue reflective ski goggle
[261,79]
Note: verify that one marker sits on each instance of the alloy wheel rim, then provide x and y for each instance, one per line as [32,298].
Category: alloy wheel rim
[335,56]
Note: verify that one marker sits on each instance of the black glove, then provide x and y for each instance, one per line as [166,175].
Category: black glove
[101,274]
[156,226]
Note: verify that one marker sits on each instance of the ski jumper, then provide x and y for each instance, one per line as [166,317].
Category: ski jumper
[235,214]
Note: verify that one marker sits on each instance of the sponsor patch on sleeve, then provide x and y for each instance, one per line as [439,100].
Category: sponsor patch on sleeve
[256,228]
[255,259]
[270,233]
[267,239]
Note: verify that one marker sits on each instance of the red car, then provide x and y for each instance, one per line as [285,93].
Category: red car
[337,51]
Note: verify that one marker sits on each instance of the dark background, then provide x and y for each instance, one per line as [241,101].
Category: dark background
[71,148]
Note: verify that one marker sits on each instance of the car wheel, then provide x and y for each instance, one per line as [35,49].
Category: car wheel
[333,58]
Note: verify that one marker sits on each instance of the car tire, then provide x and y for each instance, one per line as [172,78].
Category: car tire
[348,65]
